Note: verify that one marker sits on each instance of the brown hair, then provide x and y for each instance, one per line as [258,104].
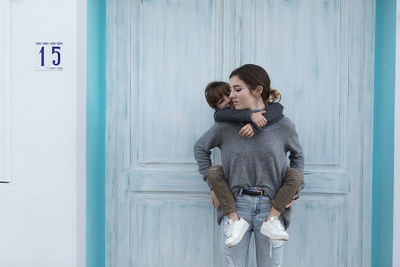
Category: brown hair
[215,91]
[253,76]
[274,96]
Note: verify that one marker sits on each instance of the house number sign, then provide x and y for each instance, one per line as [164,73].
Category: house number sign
[49,56]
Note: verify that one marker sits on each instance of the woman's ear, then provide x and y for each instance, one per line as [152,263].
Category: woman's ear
[259,90]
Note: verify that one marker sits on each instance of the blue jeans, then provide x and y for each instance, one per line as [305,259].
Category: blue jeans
[254,209]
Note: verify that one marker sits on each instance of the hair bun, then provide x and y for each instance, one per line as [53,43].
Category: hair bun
[274,96]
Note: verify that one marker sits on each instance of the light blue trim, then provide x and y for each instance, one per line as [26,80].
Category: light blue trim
[95,139]
[382,182]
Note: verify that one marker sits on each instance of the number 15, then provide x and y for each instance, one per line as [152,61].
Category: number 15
[54,50]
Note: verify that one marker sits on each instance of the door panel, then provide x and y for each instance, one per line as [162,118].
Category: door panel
[169,201]
[174,48]
[165,230]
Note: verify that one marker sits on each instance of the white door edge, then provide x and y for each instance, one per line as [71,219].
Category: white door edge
[81,120]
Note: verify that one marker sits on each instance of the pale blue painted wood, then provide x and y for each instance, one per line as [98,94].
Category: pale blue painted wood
[316,233]
[166,228]
[300,43]
[171,71]
[118,125]
[154,180]
[360,15]
[318,239]
[367,126]
[161,55]
[168,77]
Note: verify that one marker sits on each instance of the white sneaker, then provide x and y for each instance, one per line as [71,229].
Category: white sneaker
[274,229]
[234,231]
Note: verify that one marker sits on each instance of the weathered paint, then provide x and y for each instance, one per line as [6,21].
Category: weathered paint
[95,193]
[382,215]
[178,239]
[118,249]
[158,65]
[396,176]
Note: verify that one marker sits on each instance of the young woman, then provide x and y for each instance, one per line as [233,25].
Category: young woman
[254,168]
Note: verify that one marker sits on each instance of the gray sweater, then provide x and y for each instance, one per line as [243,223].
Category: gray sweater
[259,161]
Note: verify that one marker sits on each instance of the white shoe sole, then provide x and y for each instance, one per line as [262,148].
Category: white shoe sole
[240,237]
[273,236]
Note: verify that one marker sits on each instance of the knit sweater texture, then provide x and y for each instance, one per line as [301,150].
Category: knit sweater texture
[260,161]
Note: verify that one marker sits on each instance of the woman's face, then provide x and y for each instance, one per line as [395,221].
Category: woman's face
[242,97]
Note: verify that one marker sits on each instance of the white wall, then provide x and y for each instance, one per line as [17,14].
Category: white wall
[39,223]
[5,93]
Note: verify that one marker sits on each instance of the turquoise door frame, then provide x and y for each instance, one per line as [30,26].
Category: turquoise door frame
[382,222]
[95,129]
[383,160]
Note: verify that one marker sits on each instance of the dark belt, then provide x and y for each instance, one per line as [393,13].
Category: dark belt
[251,193]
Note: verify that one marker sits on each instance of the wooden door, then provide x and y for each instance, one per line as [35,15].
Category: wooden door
[162,53]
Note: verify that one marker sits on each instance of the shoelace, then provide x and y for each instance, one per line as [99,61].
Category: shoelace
[228,228]
[277,223]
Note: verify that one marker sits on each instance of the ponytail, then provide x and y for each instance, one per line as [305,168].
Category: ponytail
[274,96]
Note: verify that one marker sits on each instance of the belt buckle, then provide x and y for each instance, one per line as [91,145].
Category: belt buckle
[240,191]
[259,191]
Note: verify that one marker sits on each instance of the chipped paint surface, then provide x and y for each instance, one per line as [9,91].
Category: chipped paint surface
[318,54]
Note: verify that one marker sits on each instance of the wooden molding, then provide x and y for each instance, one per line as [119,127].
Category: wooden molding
[5,95]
